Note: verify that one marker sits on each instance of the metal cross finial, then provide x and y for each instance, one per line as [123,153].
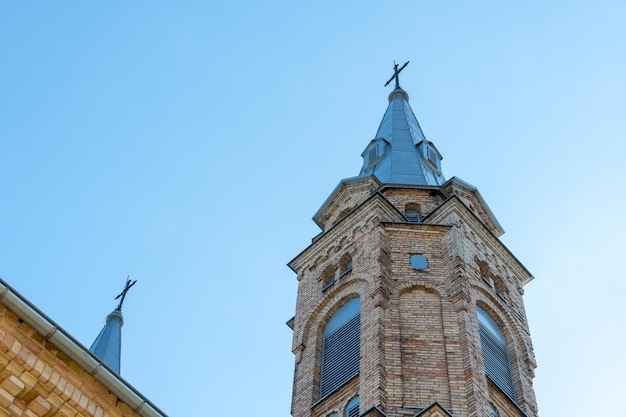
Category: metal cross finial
[396,72]
[123,293]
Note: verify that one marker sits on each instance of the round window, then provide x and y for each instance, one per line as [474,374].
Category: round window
[419,262]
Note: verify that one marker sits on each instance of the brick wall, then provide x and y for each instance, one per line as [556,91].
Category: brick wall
[37,380]
[419,329]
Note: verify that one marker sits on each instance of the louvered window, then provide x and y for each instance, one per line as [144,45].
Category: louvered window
[352,410]
[412,216]
[495,354]
[341,347]
[373,153]
[433,157]
[412,212]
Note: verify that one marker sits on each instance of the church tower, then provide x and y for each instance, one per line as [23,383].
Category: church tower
[408,303]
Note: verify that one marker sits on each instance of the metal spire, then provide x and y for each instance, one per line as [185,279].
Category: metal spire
[400,153]
[108,344]
[396,73]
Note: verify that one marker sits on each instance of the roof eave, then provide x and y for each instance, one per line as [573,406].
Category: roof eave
[487,228]
[336,191]
[375,194]
[499,229]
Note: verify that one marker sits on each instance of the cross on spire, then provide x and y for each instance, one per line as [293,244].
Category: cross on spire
[123,293]
[396,73]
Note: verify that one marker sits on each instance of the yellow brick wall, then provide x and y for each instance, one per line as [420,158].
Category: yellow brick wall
[422,349]
[37,380]
[400,197]
[419,330]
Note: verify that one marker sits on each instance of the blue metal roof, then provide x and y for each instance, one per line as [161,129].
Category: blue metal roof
[108,344]
[400,153]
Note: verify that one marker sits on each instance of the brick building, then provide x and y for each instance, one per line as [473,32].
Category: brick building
[45,372]
[408,303]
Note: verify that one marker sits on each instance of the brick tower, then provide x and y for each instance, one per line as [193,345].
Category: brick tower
[408,303]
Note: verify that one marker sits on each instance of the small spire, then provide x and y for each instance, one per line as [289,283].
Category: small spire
[108,344]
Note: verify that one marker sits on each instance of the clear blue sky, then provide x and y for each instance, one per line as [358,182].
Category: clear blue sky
[188,144]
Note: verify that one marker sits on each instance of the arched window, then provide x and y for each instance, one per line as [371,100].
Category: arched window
[341,347]
[484,272]
[352,410]
[345,265]
[495,354]
[328,276]
[412,212]
[500,287]
[342,214]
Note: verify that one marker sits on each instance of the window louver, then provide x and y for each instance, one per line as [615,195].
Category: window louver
[340,356]
[373,153]
[432,156]
[412,216]
[497,362]
[353,408]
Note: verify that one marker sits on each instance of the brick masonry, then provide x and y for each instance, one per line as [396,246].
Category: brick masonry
[38,380]
[419,329]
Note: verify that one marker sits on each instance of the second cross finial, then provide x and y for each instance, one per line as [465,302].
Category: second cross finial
[124,291]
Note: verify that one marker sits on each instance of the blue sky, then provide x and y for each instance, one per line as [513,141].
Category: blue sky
[189,143]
